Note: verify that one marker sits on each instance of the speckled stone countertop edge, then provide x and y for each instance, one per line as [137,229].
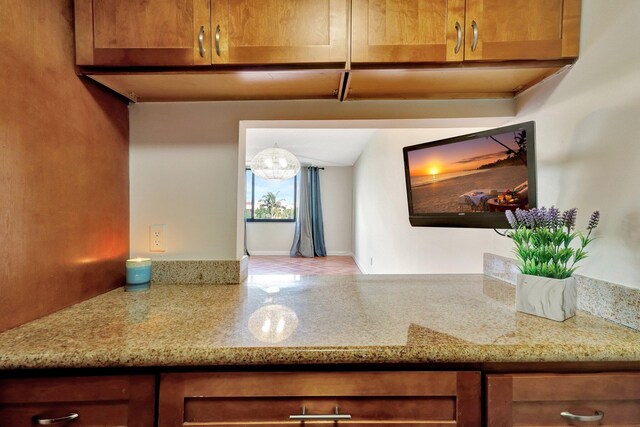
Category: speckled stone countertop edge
[438,354]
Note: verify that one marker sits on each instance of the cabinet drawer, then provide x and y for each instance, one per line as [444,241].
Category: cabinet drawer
[98,401]
[539,399]
[371,398]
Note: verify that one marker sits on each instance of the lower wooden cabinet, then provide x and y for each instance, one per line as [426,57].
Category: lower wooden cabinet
[365,399]
[603,399]
[82,401]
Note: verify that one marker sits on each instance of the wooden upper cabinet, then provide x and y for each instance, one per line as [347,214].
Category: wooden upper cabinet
[522,29]
[139,32]
[407,31]
[256,32]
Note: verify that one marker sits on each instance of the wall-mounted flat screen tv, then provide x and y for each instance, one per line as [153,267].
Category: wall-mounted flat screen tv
[471,180]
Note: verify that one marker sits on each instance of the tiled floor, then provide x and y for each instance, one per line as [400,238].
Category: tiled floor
[318,266]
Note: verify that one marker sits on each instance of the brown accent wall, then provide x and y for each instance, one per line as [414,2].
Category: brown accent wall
[64,182]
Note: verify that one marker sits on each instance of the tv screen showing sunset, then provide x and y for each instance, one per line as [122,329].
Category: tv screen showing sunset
[486,174]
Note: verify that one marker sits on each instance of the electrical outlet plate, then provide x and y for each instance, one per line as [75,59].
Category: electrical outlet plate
[157,238]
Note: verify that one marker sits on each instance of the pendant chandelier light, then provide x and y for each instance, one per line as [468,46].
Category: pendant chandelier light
[275,164]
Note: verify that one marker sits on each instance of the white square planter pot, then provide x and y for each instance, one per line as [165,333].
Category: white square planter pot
[554,299]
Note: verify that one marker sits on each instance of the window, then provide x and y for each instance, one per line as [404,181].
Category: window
[270,201]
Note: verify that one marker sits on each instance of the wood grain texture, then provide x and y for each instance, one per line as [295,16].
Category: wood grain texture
[64,211]
[405,31]
[171,400]
[501,81]
[468,391]
[280,31]
[571,14]
[443,82]
[372,398]
[125,32]
[103,400]
[538,399]
[521,29]
[142,24]
[499,396]
[83,19]
[298,84]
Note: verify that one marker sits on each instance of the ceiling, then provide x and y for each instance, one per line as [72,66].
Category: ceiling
[314,147]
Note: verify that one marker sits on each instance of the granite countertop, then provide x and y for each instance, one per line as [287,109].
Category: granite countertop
[312,320]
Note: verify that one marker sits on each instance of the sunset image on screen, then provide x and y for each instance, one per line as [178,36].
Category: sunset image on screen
[479,175]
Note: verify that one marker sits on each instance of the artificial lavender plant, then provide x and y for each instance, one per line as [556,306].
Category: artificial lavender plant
[543,240]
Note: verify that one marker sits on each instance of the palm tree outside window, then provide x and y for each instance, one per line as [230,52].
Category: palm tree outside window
[270,201]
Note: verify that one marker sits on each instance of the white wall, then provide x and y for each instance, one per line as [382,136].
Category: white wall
[266,238]
[384,241]
[588,137]
[187,161]
[336,192]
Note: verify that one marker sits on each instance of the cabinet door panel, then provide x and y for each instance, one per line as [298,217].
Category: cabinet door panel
[139,32]
[103,401]
[539,399]
[522,29]
[371,398]
[279,31]
[407,31]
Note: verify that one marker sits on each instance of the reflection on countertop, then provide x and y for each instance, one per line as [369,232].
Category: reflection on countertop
[312,320]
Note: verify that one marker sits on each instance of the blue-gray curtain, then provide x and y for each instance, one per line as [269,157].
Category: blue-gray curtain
[308,240]
[315,212]
[246,251]
[303,239]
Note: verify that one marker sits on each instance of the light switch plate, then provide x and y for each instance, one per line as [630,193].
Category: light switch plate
[157,238]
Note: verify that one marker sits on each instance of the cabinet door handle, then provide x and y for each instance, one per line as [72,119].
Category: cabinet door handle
[201,42]
[584,418]
[474,42]
[51,421]
[218,40]
[459,39]
[337,416]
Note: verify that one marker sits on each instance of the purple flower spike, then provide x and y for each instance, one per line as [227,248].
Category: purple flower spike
[544,217]
[537,217]
[520,216]
[529,219]
[554,217]
[512,219]
[593,221]
[569,218]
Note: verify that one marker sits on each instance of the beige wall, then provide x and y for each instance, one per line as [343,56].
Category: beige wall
[384,240]
[64,201]
[187,162]
[336,191]
[588,137]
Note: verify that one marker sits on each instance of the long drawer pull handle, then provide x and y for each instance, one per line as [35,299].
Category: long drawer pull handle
[201,42]
[337,416]
[218,40]
[459,38]
[584,418]
[51,421]
[474,42]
